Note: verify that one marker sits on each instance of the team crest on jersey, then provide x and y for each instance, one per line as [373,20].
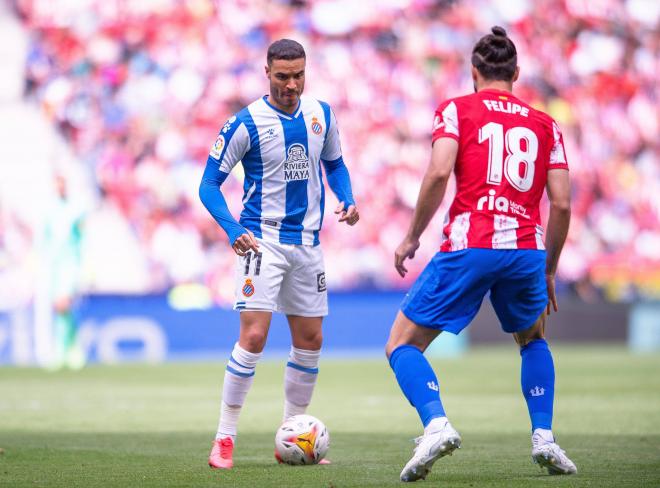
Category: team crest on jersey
[218,146]
[296,166]
[248,288]
[317,128]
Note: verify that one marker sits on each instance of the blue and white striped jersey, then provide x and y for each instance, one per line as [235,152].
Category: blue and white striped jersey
[281,154]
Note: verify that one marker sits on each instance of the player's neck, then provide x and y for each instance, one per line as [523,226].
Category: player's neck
[496,85]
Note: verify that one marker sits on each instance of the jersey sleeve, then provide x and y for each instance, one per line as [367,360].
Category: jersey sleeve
[557,153]
[230,146]
[332,145]
[445,123]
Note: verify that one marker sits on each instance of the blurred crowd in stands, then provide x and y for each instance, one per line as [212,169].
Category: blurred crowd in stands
[139,89]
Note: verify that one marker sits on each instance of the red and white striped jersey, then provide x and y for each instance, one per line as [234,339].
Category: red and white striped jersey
[505,150]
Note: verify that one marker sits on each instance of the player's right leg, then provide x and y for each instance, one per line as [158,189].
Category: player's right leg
[258,280]
[239,375]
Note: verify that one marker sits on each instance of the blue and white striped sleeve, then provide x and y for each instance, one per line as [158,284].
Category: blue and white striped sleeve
[230,146]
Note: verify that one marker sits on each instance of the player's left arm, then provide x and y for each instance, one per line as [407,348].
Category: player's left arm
[337,174]
[340,183]
[431,193]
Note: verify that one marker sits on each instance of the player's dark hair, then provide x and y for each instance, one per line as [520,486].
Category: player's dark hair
[285,49]
[495,56]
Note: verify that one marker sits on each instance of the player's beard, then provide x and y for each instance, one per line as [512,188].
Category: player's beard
[290,99]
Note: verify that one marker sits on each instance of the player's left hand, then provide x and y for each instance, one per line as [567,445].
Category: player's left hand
[405,250]
[350,215]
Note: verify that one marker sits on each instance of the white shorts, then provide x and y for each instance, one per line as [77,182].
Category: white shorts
[284,278]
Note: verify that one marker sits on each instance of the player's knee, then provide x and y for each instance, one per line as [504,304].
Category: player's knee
[253,341]
[311,341]
[532,334]
[389,348]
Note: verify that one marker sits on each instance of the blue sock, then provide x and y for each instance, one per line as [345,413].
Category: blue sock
[537,377]
[418,382]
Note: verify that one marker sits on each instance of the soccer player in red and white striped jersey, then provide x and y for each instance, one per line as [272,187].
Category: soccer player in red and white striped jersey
[503,153]
[505,150]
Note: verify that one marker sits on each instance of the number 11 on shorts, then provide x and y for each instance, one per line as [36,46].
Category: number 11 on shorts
[257,262]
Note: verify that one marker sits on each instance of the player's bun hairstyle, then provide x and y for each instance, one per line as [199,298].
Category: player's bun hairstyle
[285,49]
[495,56]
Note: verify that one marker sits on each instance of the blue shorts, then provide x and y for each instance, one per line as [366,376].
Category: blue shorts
[448,293]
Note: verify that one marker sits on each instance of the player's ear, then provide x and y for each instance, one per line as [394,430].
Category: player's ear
[516,74]
[267,69]
[475,74]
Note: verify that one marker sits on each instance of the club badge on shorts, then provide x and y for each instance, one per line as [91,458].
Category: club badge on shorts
[248,288]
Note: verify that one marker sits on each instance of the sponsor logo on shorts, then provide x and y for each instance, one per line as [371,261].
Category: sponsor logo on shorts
[320,282]
[248,288]
[317,128]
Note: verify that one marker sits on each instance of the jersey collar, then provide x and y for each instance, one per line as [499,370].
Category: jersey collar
[498,92]
[282,113]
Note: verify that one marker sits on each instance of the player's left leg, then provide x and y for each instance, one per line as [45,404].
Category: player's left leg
[302,368]
[419,384]
[303,298]
[445,297]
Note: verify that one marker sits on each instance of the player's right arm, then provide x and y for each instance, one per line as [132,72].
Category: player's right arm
[559,194]
[431,193]
[229,148]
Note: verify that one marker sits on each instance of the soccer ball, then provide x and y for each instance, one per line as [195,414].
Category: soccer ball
[302,439]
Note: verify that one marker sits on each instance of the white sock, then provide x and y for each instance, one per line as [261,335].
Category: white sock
[542,436]
[239,376]
[435,425]
[299,380]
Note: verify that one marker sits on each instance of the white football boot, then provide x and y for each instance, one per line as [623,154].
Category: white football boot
[547,454]
[431,446]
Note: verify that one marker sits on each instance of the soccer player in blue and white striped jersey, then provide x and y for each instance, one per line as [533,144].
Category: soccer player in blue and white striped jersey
[281,140]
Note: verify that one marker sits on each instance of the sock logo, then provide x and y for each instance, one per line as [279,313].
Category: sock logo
[536,391]
[432,386]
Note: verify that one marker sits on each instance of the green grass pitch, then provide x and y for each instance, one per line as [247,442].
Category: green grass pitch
[151,426]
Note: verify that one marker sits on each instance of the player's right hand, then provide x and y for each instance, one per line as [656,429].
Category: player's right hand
[245,243]
[552,298]
[405,250]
